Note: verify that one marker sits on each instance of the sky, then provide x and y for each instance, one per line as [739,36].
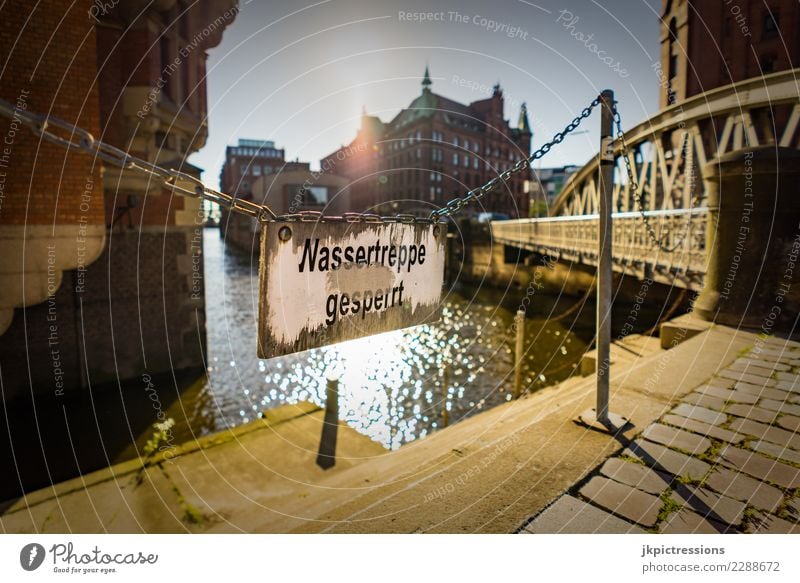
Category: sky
[300,72]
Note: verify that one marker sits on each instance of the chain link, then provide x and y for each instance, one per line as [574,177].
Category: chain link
[457,204]
[633,186]
[81,140]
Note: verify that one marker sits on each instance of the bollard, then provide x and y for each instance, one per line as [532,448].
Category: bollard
[519,320]
[326,457]
[445,387]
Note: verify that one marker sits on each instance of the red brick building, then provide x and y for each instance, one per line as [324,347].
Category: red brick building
[432,151]
[106,264]
[710,44]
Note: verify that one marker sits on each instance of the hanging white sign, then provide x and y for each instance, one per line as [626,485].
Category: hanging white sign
[325,282]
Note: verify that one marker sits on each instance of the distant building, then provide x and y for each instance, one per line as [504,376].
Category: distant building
[705,45]
[547,184]
[247,161]
[435,150]
[256,170]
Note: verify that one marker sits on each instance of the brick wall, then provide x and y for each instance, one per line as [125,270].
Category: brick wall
[49,55]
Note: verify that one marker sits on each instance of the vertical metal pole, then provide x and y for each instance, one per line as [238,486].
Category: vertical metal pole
[445,391]
[604,282]
[519,321]
[326,458]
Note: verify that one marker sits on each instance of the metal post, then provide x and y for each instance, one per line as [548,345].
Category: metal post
[600,418]
[326,458]
[445,391]
[604,283]
[519,321]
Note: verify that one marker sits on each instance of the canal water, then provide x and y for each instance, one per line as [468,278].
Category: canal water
[392,385]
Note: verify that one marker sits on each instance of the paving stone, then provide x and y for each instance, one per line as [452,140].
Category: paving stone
[623,500]
[742,363]
[729,395]
[667,460]
[636,475]
[700,414]
[793,509]
[751,412]
[754,379]
[794,363]
[707,401]
[720,382]
[742,487]
[775,352]
[790,422]
[787,376]
[761,467]
[767,432]
[765,392]
[765,523]
[687,522]
[703,428]
[709,504]
[676,438]
[791,386]
[780,406]
[569,515]
[784,358]
[764,369]
[778,451]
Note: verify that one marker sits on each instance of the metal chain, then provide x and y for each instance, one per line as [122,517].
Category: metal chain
[633,186]
[457,204]
[82,140]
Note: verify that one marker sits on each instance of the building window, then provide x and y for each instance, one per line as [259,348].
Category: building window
[256,170]
[768,63]
[455,158]
[455,141]
[771,24]
[243,169]
[466,161]
[466,144]
[419,153]
[475,147]
[475,163]
[267,169]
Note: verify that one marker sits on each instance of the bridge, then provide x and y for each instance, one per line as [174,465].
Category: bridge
[673,157]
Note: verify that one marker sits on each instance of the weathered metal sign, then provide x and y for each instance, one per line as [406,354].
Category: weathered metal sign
[322,283]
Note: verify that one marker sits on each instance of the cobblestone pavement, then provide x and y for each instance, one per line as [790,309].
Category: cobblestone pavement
[725,459]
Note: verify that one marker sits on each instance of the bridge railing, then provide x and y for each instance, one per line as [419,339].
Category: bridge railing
[575,238]
[669,151]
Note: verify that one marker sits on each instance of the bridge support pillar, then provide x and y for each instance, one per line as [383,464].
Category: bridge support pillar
[753,240]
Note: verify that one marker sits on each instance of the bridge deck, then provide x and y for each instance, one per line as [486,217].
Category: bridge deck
[575,238]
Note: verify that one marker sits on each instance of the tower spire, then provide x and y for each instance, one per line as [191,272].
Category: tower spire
[426,80]
[523,124]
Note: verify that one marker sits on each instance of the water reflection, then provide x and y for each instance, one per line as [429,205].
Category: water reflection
[392,384]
